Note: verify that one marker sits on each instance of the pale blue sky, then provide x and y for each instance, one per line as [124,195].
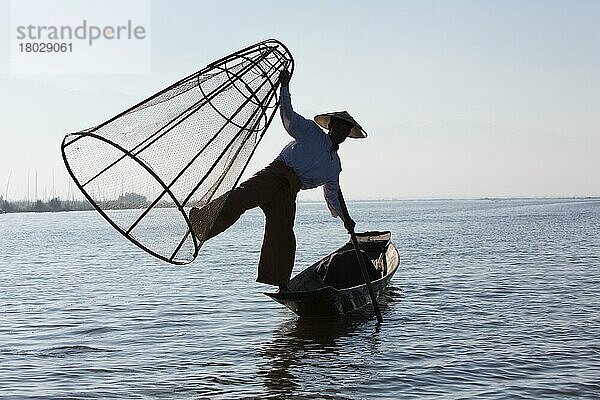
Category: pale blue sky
[460,98]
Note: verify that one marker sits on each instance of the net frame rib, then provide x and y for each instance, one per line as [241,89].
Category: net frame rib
[191,162]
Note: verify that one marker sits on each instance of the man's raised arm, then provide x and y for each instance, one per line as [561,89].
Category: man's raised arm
[295,124]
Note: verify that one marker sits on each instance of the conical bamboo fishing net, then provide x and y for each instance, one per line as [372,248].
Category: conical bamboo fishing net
[182,147]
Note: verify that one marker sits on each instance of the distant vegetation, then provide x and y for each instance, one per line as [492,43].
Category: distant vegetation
[55,204]
[124,201]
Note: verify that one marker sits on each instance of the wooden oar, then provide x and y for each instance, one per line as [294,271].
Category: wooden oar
[361,261]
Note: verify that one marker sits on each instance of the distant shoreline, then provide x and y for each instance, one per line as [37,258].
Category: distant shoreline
[463,199]
[58,205]
[53,205]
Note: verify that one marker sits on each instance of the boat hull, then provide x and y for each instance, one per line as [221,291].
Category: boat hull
[328,301]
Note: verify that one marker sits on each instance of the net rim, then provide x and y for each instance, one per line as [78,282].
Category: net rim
[179,207]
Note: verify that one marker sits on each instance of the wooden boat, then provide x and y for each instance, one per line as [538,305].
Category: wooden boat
[309,294]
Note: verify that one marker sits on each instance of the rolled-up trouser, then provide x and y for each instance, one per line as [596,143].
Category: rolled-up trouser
[274,190]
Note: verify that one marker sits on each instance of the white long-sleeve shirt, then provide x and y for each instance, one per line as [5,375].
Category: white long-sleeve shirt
[311,155]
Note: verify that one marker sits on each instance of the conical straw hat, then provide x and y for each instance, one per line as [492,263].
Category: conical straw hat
[357,131]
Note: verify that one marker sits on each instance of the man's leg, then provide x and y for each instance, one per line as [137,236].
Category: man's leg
[225,210]
[279,243]
[247,196]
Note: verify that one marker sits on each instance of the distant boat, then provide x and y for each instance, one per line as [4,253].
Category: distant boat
[314,292]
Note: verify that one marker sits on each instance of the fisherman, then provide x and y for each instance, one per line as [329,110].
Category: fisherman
[309,161]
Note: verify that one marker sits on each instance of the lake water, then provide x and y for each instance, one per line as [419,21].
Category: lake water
[493,299]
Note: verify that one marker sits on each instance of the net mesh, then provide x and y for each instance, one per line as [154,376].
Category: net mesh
[184,147]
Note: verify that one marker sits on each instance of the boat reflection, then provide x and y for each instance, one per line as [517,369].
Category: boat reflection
[298,342]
